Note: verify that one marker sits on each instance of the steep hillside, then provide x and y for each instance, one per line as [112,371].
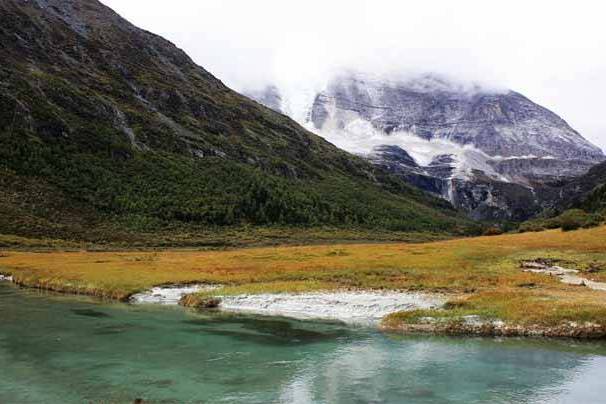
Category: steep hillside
[587,192]
[490,152]
[596,201]
[106,128]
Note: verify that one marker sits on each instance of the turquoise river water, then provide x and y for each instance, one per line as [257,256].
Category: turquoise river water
[60,349]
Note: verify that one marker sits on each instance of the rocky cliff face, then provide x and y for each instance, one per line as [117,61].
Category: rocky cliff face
[487,151]
[500,123]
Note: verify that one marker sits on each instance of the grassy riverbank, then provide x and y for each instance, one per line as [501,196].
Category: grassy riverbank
[482,273]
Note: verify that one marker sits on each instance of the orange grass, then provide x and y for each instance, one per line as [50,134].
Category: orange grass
[484,271]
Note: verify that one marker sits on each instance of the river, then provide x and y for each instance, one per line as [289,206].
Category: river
[68,349]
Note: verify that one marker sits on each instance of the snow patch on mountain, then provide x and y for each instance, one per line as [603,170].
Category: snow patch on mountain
[360,137]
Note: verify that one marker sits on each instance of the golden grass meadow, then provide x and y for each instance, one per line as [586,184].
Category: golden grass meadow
[480,275]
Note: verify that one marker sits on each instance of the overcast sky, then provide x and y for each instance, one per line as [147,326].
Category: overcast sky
[552,51]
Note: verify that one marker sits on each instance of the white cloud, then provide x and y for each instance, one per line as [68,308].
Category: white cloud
[552,51]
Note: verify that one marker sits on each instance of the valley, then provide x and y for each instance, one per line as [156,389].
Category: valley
[126,166]
[324,234]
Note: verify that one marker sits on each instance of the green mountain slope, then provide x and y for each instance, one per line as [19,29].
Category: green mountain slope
[579,202]
[106,128]
[592,190]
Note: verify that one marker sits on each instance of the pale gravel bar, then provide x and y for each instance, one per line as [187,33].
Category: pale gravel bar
[347,306]
[351,307]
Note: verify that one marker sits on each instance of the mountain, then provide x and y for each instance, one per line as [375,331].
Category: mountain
[490,152]
[108,129]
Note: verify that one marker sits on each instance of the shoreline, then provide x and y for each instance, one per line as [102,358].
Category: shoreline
[457,327]
[585,331]
[548,283]
[347,306]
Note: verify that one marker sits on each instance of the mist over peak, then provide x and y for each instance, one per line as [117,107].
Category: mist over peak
[423,82]
[412,79]
[499,46]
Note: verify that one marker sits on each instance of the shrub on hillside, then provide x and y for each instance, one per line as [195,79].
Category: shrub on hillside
[531,226]
[572,219]
[571,223]
[493,231]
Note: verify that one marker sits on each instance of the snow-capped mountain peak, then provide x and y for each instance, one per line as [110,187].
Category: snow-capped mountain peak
[491,135]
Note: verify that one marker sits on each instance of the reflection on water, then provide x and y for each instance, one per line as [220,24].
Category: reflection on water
[67,349]
[266,330]
[450,371]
